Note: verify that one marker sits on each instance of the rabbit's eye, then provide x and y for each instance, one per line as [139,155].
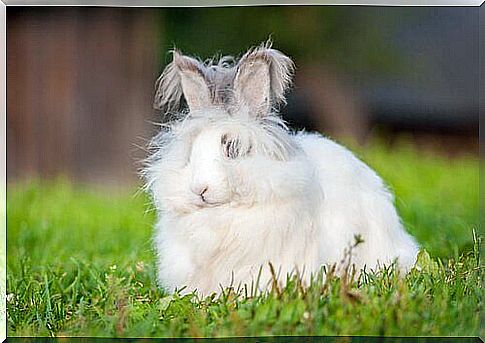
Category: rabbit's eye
[232,147]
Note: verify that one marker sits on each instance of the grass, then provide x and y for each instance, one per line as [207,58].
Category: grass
[80,263]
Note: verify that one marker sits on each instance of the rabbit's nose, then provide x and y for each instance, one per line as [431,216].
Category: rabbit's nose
[200,190]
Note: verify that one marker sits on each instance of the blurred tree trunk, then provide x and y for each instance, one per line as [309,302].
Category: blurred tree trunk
[80,87]
[335,106]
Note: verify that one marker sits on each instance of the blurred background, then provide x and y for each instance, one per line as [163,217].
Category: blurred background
[81,80]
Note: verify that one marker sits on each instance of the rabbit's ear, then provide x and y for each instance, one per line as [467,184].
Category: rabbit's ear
[262,77]
[184,76]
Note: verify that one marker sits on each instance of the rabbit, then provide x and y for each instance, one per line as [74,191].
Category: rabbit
[241,199]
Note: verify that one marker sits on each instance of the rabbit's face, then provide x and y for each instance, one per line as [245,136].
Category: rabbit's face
[239,162]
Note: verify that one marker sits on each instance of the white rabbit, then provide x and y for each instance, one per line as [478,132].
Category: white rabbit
[235,190]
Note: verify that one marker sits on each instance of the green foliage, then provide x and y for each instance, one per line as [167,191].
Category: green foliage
[341,36]
[81,263]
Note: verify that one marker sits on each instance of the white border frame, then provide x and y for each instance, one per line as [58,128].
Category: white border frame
[150,3]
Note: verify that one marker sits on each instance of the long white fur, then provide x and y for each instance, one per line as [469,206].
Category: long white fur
[293,200]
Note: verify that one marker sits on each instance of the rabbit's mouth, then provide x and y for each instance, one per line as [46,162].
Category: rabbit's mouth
[207,205]
[204,202]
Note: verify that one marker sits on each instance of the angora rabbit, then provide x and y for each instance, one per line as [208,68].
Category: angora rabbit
[238,194]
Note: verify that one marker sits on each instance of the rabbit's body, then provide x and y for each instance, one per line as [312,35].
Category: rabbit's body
[237,191]
[356,202]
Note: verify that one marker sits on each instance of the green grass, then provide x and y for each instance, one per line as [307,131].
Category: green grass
[81,263]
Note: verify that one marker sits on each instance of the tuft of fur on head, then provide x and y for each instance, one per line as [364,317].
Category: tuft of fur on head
[220,75]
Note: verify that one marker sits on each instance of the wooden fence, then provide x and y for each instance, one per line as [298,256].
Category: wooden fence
[80,85]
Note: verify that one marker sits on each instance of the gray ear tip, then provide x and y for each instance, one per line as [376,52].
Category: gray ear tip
[177,55]
[267,51]
[282,55]
[181,60]
[186,63]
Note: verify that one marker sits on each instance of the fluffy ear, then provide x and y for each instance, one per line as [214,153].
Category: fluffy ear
[184,76]
[262,77]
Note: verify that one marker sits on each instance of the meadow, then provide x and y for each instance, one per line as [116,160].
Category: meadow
[80,263]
